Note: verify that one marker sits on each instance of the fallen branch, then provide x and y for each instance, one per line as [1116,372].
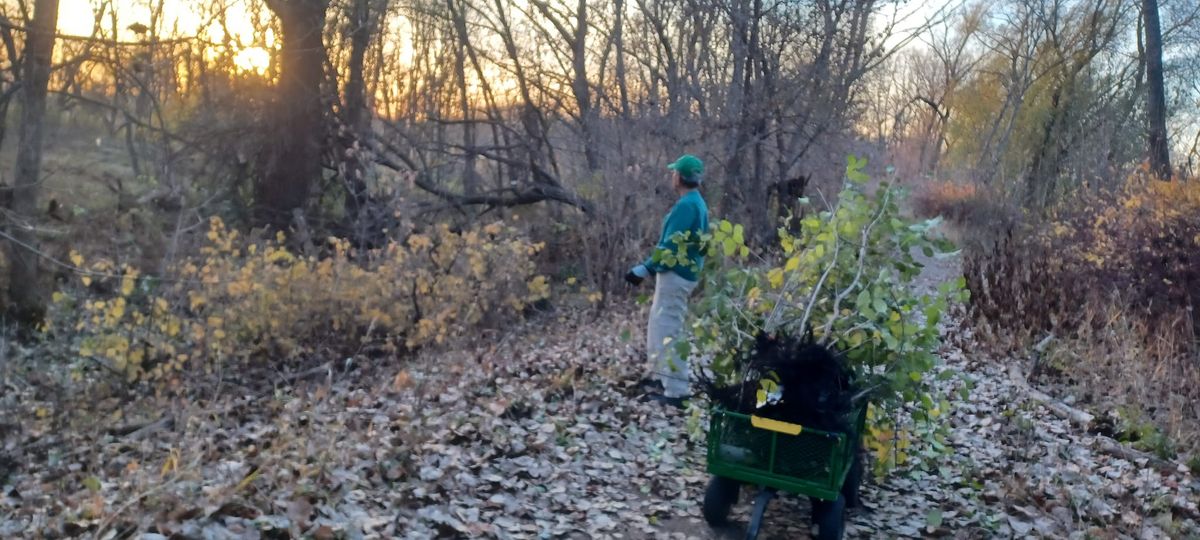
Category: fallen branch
[291,378]
[1117,449]
[1060,409]
[1076,416]
[544,188]
[136,431]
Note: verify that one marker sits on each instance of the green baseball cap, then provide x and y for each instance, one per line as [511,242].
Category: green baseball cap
[688,166]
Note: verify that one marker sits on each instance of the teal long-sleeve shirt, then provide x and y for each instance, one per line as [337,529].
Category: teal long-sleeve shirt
[690,214]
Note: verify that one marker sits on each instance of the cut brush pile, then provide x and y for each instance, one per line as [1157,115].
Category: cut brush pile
[840,291]
[793,380]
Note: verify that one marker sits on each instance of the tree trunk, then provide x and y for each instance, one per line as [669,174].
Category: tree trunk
[732,194]
[14,69]
[356,88]
[294,155]
[1044,168]
[1156,102]
[355,141]
[619,40]
[583,96]
[492,110]
[119,90]
[745,192]
[667,71]
[470,178]
[23,289]
[758,218]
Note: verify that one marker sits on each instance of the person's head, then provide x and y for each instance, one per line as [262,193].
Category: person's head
[688,172]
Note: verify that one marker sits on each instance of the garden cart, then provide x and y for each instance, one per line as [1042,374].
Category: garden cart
[781,456]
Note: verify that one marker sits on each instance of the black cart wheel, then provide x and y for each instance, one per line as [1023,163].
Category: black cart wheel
[760,508]
[719,498]
[854,480]
[830,518]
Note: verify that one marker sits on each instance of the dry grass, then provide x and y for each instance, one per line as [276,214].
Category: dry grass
[1148,387]
[1112,277]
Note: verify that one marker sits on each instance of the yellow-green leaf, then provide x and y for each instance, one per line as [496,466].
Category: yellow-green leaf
[792,264]
[775,277]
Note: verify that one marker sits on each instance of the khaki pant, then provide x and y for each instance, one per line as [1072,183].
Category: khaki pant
[667,314]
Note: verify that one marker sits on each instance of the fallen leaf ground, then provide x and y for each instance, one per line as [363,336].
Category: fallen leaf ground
[535,434]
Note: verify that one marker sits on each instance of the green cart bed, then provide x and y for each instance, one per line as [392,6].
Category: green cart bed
[780,456]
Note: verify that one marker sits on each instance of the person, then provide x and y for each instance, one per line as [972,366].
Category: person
[676,263]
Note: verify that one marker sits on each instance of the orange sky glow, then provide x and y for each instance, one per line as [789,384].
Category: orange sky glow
[77,17]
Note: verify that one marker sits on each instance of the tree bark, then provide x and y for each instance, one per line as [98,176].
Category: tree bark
[355,141]
[470,177]
[14,61]
[758,88]
[1156,101]
[619,40]
[24,292]
[294,154]
[732,192]
[581,88]
[356,88]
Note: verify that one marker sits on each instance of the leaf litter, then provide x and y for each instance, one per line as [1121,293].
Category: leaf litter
[538,435]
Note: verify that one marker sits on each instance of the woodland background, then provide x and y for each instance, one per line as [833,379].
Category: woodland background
[193,186]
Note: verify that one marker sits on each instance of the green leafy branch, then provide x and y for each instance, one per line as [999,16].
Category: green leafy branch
[859,248]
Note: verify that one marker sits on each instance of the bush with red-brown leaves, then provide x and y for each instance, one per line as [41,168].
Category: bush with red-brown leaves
[1114,276]
[965,204]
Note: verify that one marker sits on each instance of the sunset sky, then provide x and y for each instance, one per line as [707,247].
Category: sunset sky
[76,17]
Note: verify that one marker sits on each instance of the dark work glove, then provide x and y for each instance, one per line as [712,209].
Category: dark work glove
[637,275]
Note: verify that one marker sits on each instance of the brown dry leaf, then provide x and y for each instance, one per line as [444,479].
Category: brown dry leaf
[299,511]
[497,407]
[401,380]
[324,532]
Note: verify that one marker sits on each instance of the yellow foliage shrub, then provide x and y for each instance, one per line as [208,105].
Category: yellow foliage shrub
[1142,240]
[241,300]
